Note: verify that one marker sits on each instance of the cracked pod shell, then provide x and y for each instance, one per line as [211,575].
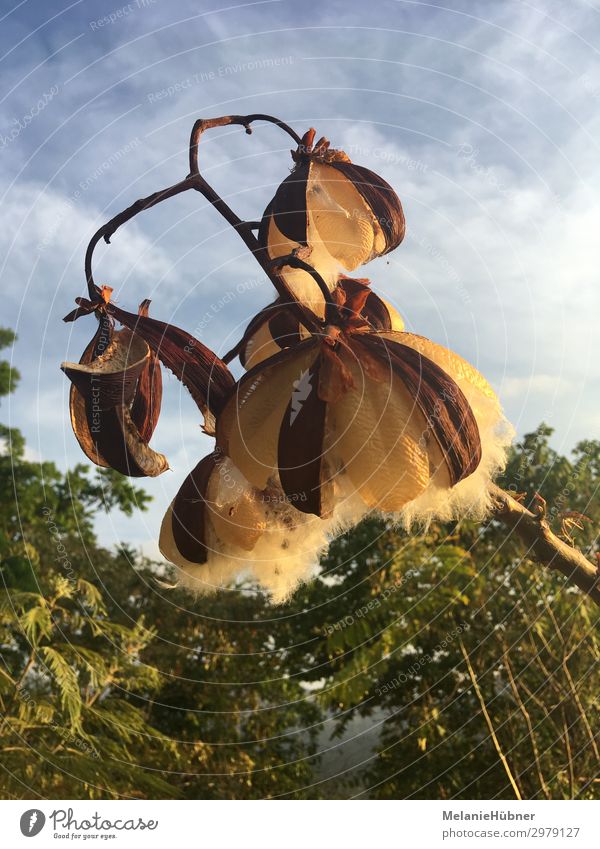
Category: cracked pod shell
[115,401]
[336,214]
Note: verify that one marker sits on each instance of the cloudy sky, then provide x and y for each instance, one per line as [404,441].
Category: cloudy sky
[484,116]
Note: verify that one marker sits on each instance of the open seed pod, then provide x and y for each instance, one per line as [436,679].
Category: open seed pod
[336,214]
[201,371]
[115,401]
[220,527]
[214,502]
[470,497]
[277,327]
[384,410]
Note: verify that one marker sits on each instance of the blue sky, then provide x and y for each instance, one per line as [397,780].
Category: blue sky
[484,116]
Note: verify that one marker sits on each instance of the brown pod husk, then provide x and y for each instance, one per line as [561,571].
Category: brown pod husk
[358,300]
[145,410]
[301,456]
[446,410]
[113,376]
[115,371]
[381,199]
[213,508]
[288,209]
[471,496]
[119,442]
[201,371]
[80,408]
[276,326]
[340,215]
[184,527]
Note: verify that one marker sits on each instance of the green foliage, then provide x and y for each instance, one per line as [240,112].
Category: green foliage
[63,695]
[110,686]
[9,376]
[414,606]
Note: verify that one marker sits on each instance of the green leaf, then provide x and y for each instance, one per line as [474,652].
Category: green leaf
[67,681]
[36,623]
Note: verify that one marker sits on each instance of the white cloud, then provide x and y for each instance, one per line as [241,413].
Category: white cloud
[541,385]
[40,225]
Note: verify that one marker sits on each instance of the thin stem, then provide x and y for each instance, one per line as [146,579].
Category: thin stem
[107,230]
[293,261]
[244,228]
[488,720]
[304,314]
[245,121]
[196,181]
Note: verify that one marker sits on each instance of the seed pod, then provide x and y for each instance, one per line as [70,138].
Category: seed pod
[469,498]
[339,215]
[214,506]
[276,326]
[220,527]
[115,401]
[356,401]
[201,371]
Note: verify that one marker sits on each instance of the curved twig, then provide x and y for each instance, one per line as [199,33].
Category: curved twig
[245,121]
[546,547]
[107,230]
[196,181]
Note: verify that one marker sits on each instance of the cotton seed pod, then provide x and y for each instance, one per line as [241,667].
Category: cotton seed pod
[276,326]
[219,528]
[214,505]
[339,215]
[369,406]
[115,401]
[470,497]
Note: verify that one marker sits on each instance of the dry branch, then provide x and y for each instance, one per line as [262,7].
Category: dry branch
[544,545]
